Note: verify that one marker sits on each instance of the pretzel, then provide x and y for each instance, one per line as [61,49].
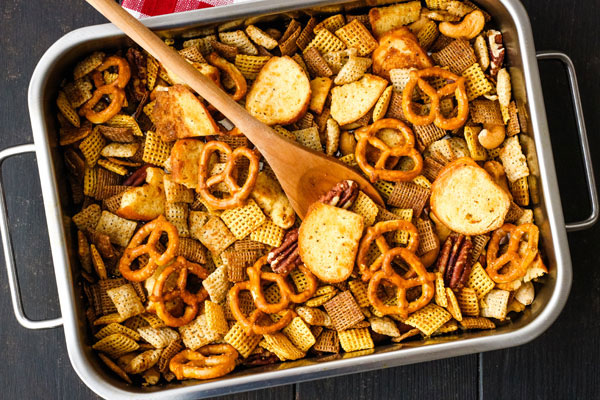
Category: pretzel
[516,264]
[208,362]
[114,90]
[367,136]
[424,279]
[375,233]
[117,99]
[238,193]
[254,285]
[153,231]
[192,301]
[124,70]
[250,324]
[456,87]
[241,87]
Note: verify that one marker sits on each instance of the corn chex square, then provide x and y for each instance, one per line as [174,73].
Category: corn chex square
[156,151]
[87,218]
[428,319]
[325,42]
[196,334]
[269,234]
[477,323]
[356,35]
[116,345]
[476,82]
[365,206]
[355,339]
[243,343]
[344,311]
[125,121]
[126,301]
[215,318]
[243,220]
[217,285]
[92,146]
[359,291]
[468,302]
[480,281]
[279,344]
[299,334]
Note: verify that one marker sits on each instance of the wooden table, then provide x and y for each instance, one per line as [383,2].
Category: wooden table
[561,363]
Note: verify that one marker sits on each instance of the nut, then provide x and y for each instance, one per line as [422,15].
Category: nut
[497,51]
[455,260]
[341,195]
[481,51]
[440,15]
[347,143]
[285,258]
[468,28]
[138,177]
[492,136]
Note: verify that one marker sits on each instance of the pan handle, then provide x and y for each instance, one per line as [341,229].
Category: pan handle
[9,259]
[583,140]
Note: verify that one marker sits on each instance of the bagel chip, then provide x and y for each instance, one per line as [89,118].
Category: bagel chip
[352,101]
[466,199]
[328,241]
[270,98]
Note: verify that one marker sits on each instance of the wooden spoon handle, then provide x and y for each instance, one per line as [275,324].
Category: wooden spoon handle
[258,133]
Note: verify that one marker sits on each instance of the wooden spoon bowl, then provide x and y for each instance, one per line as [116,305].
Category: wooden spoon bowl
[304,174]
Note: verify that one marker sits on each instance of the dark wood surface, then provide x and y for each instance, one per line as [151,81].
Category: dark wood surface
[561,363]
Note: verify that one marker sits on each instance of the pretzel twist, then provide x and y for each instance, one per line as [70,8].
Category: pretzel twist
[115,90]
[423,279]
[456,87]
[515,261]
[238,194]
[254,285]
[367,136]
[241,87]
[153,230]
[208,362]
[191,300]
[375,233]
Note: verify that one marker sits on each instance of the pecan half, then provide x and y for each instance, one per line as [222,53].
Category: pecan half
[497,51]
[454,262]
[285,258]
[138,177]
[341,195]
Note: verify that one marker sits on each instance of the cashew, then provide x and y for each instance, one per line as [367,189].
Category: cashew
[525,294]
[492,136]
[468,28]
[347,143]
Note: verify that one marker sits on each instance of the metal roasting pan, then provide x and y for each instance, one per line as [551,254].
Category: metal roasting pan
[509,16]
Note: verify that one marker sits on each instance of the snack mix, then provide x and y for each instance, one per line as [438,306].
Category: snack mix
[193,261]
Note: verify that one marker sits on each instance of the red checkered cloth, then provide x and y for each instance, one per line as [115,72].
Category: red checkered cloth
[150,8]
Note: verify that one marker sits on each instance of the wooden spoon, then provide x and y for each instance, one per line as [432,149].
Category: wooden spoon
[304,174]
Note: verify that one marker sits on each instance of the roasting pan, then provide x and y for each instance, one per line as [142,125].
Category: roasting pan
[509,16]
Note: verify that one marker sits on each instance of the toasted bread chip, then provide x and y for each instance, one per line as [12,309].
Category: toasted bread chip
[270,198]
[270,99]
[240,40]
[332,137]
[429,319]
[355,339]
[399,49]
[384,326]
[328,241]
[346,107]
[356,35]
[320,90]
[142,203]
[116,345]
[178,114]
[385,19]
[123,150]
[314,316]
[185,158]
